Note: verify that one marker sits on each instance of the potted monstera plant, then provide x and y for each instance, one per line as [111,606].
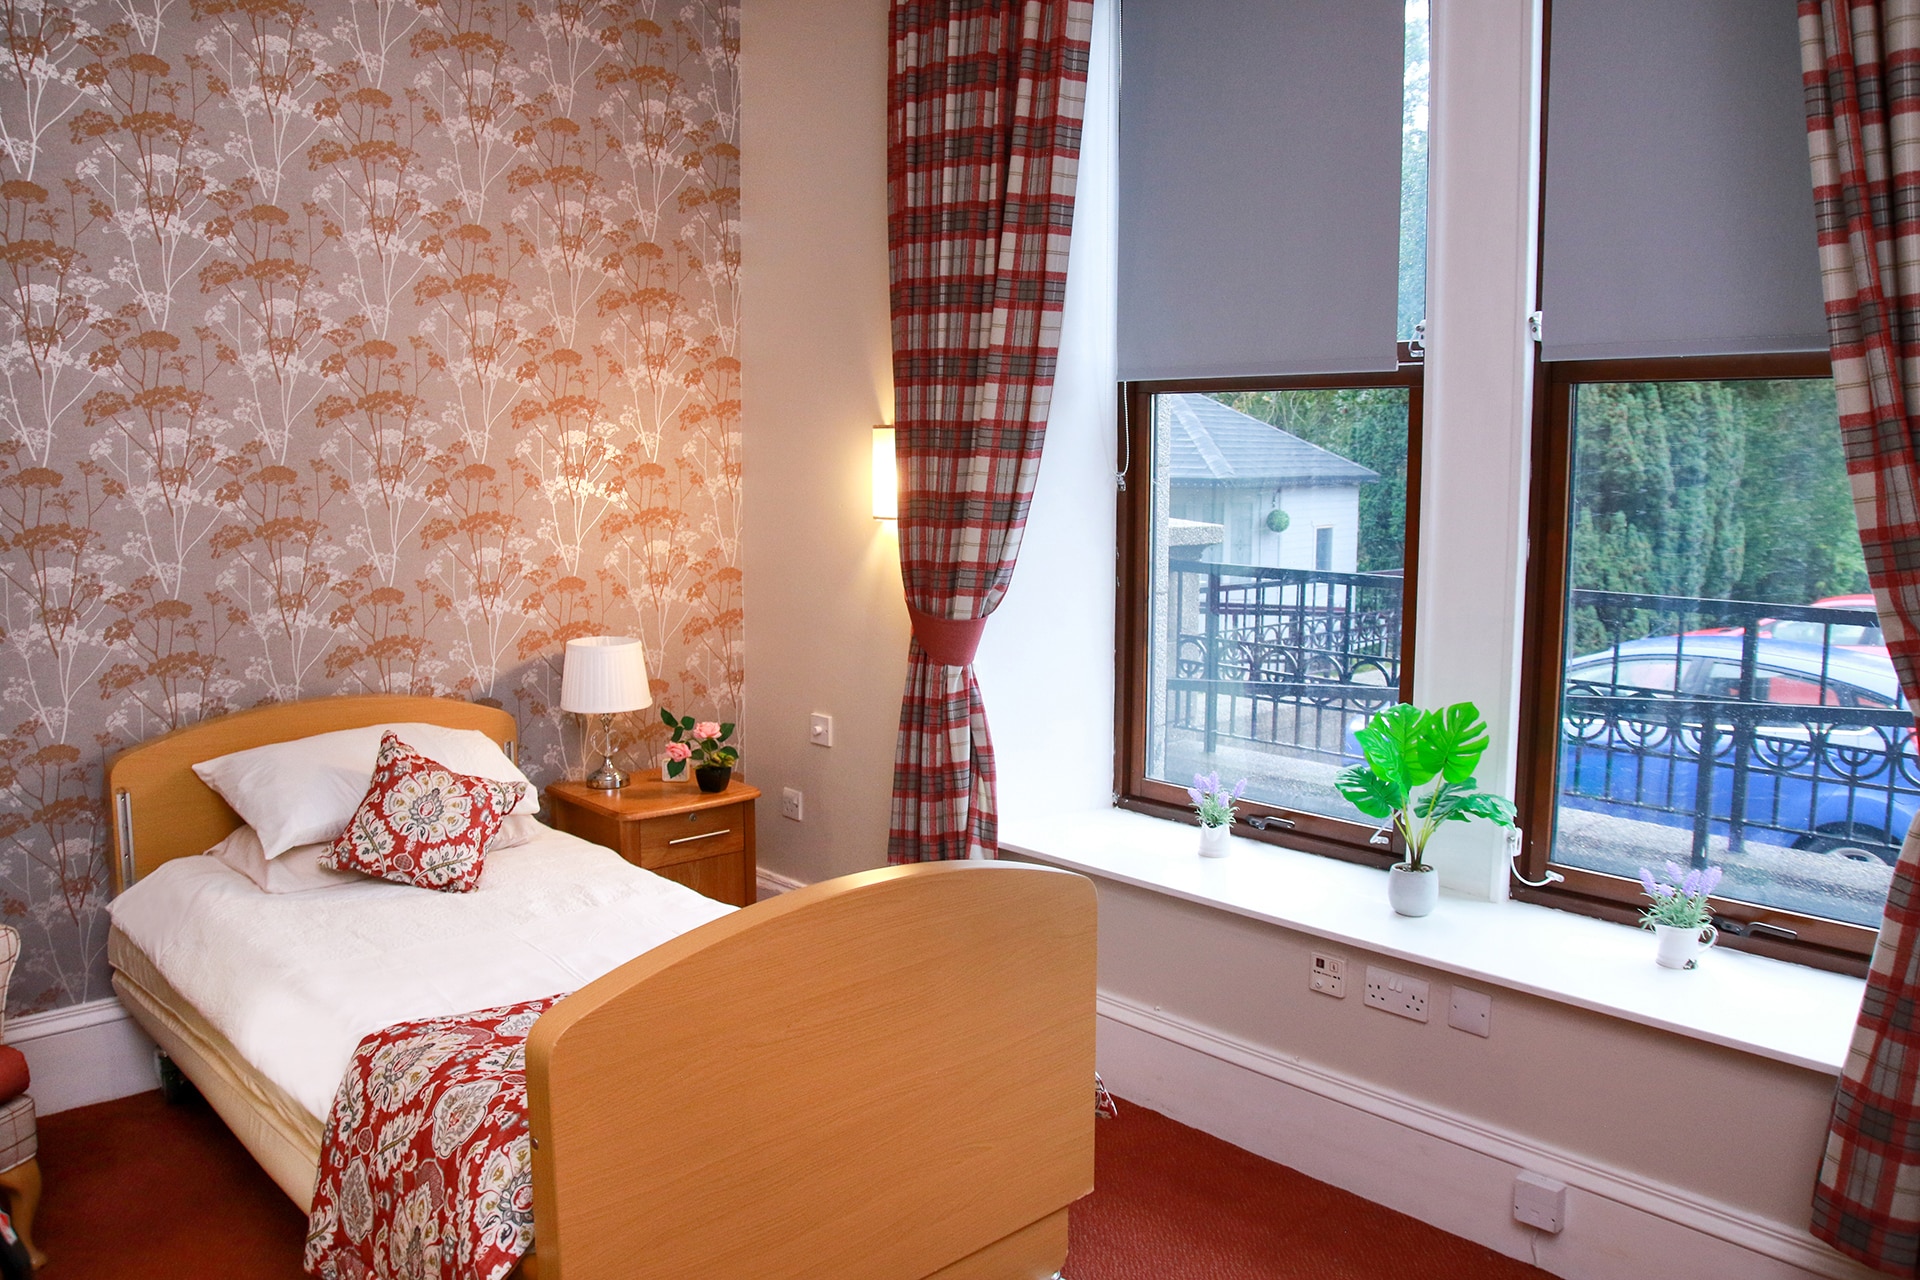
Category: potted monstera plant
[1418,776]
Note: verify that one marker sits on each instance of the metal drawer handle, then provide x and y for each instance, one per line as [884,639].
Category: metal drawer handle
[705,835]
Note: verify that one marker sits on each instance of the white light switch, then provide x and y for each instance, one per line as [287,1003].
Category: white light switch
[821,732]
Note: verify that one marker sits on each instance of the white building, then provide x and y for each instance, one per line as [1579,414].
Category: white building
[1232,470]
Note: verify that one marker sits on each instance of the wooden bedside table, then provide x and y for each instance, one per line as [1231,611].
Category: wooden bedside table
[673,829]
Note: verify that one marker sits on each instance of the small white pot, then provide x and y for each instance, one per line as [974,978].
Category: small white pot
[1213,841]
[1411,892]
[1682,948]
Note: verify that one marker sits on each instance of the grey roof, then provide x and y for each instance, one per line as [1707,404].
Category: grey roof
[1211,442]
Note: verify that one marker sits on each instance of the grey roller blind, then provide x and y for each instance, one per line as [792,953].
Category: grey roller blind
[1259,186]
[1679,201]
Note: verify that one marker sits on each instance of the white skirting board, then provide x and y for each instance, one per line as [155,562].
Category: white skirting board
[82,1054]
[772,884]
[1452,1171]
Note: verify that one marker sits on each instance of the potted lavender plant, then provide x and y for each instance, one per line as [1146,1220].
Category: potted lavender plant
[1680,917]
[1214,803]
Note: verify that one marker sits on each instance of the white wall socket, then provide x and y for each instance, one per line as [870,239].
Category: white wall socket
[820,730]
[1328,975]
[1539,1201]
[1470,1011]
[1397,993]
[790,803]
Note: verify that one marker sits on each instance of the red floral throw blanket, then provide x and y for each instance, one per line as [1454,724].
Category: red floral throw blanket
[425,1167]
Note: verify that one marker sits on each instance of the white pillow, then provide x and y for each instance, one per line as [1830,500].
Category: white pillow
[299,868]
[306,790]
[291,872]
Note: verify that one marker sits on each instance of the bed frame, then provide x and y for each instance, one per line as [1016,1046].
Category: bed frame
[882,1077]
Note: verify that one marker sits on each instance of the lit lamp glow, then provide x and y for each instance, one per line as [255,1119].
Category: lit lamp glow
[886,478]
[605,676]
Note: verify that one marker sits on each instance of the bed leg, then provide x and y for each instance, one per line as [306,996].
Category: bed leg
[174,1085]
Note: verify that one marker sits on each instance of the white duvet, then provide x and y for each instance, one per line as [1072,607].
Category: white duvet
[295,980]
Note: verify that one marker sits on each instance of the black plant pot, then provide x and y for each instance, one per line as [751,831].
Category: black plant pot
[713,777]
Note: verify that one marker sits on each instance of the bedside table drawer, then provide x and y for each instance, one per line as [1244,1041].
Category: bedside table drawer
[688,837]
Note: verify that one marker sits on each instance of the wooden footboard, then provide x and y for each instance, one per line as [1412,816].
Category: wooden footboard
[882,1077]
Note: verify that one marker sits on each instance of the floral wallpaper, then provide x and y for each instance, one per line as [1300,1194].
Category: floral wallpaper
[360,345]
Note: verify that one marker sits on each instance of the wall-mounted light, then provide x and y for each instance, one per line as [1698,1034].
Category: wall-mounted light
[886,478]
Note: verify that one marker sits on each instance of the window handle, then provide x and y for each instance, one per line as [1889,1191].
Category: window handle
[1263,823]
[1753,929]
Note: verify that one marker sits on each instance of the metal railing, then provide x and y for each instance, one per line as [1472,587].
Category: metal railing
[1281,657]
[1792,708]
[1742,719]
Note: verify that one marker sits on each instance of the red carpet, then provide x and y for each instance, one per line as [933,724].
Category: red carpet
[136,1189]
[1172,1203]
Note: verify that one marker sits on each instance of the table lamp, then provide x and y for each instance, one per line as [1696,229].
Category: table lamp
[605,676]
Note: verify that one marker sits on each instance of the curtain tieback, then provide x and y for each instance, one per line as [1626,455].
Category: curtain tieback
[951,642]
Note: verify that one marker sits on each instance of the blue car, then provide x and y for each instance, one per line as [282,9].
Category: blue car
[1812,748]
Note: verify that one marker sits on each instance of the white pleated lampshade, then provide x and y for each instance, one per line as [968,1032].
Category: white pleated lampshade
[604,675]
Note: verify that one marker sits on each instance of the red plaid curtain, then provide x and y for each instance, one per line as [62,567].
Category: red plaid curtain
[1859,60]
[983,140]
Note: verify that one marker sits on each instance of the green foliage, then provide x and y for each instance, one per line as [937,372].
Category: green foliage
[1408,749]
[1713,490]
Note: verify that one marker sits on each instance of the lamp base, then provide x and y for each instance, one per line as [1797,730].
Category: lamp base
[606,777]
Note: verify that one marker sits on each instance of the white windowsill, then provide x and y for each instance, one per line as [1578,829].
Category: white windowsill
[1787,1012]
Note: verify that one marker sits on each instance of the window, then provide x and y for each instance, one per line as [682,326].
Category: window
[1271,288]
[1271,541]
[1703,676]
[1709,683]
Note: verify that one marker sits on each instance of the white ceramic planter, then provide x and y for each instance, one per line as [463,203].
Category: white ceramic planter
[1410,892]
[1213,841]
[1682,948]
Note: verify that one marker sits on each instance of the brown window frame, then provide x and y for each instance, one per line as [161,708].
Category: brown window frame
[1826,944]
[1133,790]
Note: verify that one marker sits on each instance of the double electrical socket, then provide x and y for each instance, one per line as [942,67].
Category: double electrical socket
[1397,993]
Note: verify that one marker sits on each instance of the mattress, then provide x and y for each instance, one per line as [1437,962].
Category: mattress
[292,982]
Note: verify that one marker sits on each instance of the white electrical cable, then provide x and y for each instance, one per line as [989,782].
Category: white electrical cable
[1513,860]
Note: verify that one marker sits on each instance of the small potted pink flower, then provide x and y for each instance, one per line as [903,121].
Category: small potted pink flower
[699,742]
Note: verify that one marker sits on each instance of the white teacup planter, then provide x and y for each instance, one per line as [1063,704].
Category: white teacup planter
[1682,948]
[1214,803]
[1680,916]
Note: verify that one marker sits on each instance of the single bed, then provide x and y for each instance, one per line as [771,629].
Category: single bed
[885,1075]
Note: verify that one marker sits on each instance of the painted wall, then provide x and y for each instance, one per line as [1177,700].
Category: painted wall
[1729,1127]
[829,624]
[350,347]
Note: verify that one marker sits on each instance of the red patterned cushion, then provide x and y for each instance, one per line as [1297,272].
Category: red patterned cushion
[421,823]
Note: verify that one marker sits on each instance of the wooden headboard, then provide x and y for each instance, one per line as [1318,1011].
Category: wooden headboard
[160,810]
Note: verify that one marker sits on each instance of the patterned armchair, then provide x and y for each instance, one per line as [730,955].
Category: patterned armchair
[19,1138]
